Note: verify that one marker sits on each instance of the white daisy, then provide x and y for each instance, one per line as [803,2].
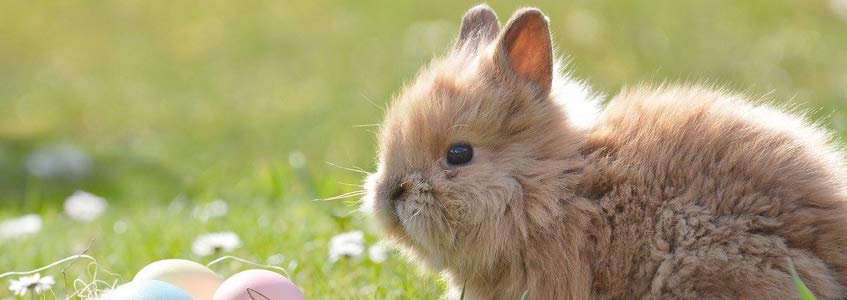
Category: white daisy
[120,226]
[297,159]
[839,7]
[212,243]
[214,209]
[84,206]
[378,252]
[275,259]
[177,204]
[58,161]
[21,226]
[34,283]
[349,244]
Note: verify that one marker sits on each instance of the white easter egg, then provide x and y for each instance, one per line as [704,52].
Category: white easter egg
[146,290]
[195,279]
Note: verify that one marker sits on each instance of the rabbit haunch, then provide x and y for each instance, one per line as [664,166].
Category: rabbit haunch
[671,192]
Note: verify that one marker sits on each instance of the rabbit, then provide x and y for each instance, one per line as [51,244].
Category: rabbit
[501,172]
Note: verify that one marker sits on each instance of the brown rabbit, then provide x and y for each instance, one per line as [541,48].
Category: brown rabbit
[492,170]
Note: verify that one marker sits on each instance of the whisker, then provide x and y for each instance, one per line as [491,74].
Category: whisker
[343,196]
[352,169]
[457,125]
[350,184]
[409,219]
[366,125]
[371,101]
[419,210]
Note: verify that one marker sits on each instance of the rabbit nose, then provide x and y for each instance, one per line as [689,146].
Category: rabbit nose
[397,190]
[413,184]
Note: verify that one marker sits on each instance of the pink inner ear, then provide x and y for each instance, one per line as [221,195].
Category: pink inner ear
[529,50]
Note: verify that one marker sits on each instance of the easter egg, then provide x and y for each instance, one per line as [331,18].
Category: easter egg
[195,279]
[258,284]
[146,290]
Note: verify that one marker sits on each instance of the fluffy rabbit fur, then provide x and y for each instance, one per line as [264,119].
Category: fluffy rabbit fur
[672,192]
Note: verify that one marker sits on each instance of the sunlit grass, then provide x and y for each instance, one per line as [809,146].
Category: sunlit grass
[180,104]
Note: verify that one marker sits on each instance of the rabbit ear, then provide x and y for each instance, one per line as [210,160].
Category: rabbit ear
[526,49]
[479,27]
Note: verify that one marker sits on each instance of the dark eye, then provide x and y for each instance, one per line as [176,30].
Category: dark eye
[459,154]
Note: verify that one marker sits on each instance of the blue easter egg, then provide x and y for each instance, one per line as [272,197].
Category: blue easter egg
[147,290]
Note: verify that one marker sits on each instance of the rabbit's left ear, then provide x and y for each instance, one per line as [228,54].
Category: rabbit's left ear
[479,27]
[526,49]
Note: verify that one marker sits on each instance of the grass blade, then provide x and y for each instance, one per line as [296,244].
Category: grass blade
[802,290]
[464,286]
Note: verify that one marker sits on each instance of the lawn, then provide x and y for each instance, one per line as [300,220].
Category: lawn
[162,107]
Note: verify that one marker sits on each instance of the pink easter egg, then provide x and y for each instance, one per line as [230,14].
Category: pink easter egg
[258,284]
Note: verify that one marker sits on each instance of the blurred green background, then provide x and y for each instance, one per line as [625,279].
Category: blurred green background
[159,106]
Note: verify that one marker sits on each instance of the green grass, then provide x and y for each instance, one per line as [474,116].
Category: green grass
[802,291]
[182,102]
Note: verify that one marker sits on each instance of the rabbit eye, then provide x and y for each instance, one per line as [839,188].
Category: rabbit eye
[459,154]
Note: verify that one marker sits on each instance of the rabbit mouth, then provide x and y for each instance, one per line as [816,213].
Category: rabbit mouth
[412,211]
[417,211]
[422,221]
[407,210]
[408,207]
[409,198]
